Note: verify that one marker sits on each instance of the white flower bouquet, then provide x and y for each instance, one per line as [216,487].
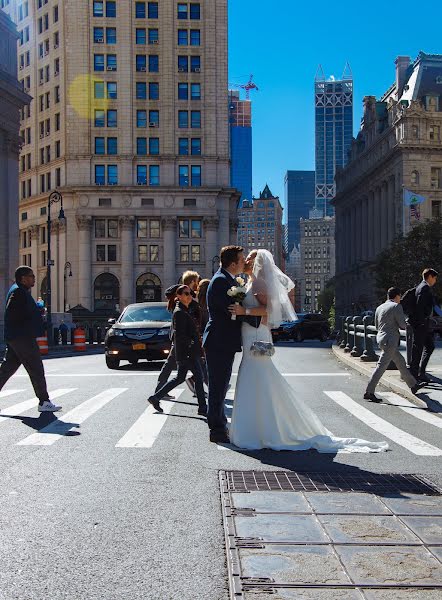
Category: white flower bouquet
[237,293]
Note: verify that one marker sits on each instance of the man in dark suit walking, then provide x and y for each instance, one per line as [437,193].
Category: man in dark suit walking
[423,338]
[23,324]
[222,338]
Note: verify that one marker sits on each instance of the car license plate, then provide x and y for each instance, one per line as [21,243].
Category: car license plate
[138,346]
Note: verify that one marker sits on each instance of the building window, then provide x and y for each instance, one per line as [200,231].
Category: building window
[98,62]
[154,63]
[183,91]
[99,119]
[142,146]
[111,253]
[101,253]
[183,64]
[99,90]
[112,174]
[141,174]
[154,91]
[153,36]
[154,146]
[414,177]
[141,118]
[141,228]
[111,62]
[111,35]
[152,10]
[414,132]
[154,118]
[112,120]
[182,37]
[112,145]
[196,253]
[57,149]
[98,8]
[140,62]
[195,91]
[112,93]
[195,64]
[436,209]
[183,119]
[99,145]
[142,253]
[436,181]
[100,177]
[98,35]
[111,8]
[100,228]
[434,133]
[195,11]
[105,202]
[154,175]
[140,10]
[183,228]
[183,175]
[140,36]
[195,37]
[141,90]
[182,11]
[183,146]
[154,228]
[154,253]
[184,253]
[195,171]
[196,146]
[195,119]
[196,228]
[112,228]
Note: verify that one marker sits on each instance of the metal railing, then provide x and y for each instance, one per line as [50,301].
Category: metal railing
[358,337]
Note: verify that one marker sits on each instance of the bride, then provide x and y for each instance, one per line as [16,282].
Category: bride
[266,410]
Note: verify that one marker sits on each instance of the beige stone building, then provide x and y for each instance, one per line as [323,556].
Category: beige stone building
[399,146]
[260,225]
[130,123]
[12,100]
[317,259]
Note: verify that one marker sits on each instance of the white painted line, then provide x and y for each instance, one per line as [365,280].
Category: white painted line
[18,409]
[147,427]
[312,374]
[155,374]
[411,409]
[404,439]
[57,429]
[6,393]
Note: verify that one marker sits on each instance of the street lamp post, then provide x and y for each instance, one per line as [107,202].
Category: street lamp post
[67,265]
[215,263]
[54,198]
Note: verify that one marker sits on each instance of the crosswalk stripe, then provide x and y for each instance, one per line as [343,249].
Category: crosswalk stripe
[6,393]
[404,439]
[21,407]
[147,427]
[411,409]
[57,429]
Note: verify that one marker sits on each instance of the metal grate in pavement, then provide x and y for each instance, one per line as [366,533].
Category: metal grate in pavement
[373,483]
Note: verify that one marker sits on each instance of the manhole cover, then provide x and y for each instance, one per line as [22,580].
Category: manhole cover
[375,537]
[373,483]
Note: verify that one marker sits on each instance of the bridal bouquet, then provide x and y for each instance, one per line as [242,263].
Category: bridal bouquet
[237,293]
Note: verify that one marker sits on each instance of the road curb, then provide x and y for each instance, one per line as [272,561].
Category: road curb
[386,381]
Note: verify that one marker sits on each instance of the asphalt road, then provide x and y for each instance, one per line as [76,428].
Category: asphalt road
[87,515]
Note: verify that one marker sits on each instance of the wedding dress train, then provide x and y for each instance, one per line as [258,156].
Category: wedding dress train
[268,414]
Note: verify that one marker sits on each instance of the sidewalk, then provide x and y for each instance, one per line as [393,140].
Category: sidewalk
[430,396]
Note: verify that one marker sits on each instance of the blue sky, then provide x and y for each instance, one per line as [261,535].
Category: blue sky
[282,42]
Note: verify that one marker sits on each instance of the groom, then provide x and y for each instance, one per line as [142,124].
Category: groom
[222,338]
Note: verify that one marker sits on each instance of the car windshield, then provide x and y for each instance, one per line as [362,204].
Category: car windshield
[146,313]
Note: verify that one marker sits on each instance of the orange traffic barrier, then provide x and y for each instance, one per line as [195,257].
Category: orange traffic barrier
[43,344]
[79,340]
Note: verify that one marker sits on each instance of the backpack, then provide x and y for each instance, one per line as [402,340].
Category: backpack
[408,301]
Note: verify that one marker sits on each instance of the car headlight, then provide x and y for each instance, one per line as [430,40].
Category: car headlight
[163,331]
[116,332]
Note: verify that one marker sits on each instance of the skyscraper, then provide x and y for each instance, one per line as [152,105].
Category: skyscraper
[299,200]
[333,132]
[130,123]
[240,118]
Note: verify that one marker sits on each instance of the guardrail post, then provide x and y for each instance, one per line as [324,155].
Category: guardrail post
[357,345]
[347,346]
[369,355]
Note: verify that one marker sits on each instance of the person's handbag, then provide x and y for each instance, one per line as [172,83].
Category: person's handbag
[262,348]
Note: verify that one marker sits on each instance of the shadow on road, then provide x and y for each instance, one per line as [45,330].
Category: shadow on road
[46,419]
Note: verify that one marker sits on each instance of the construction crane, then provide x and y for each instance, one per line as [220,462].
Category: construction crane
[250,85]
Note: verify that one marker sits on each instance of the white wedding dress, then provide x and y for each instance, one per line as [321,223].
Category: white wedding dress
[267,413]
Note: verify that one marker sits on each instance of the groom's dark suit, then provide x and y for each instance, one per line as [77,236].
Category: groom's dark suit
[221,340]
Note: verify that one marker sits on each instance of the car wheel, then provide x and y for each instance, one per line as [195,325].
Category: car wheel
[134,361]
[323,337]
[298,337]
[112,363]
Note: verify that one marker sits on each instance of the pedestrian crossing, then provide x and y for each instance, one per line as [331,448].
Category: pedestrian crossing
[148,426]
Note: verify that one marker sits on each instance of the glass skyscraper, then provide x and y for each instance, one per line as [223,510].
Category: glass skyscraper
[299,201]
[333,133]
[240,119]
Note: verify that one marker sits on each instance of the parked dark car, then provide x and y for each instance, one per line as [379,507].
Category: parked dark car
[309,326]
[140,332]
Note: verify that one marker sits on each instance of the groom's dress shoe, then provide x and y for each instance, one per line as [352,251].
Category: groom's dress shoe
[155,403]
[417,387]
[219,437]
[371,397]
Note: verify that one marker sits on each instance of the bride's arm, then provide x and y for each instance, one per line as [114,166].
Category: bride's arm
[260,294]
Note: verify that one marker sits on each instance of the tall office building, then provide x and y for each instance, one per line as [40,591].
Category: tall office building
[333,133]
[299,200]
[130,123]
[240,118]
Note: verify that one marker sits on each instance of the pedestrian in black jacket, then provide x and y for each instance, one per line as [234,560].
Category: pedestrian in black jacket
[186,341]
[23,324]
[423,337]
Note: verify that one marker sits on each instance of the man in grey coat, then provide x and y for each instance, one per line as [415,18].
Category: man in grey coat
[388,320]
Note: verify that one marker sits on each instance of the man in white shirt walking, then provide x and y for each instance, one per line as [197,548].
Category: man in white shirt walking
[389,319]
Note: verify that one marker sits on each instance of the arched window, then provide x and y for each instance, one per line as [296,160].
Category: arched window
[148,288]
[106,293]
[415,177]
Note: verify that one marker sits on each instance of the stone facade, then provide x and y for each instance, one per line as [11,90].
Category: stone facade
[399,146]
[260,225]
[317,259]
[130,124]
[12,100]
